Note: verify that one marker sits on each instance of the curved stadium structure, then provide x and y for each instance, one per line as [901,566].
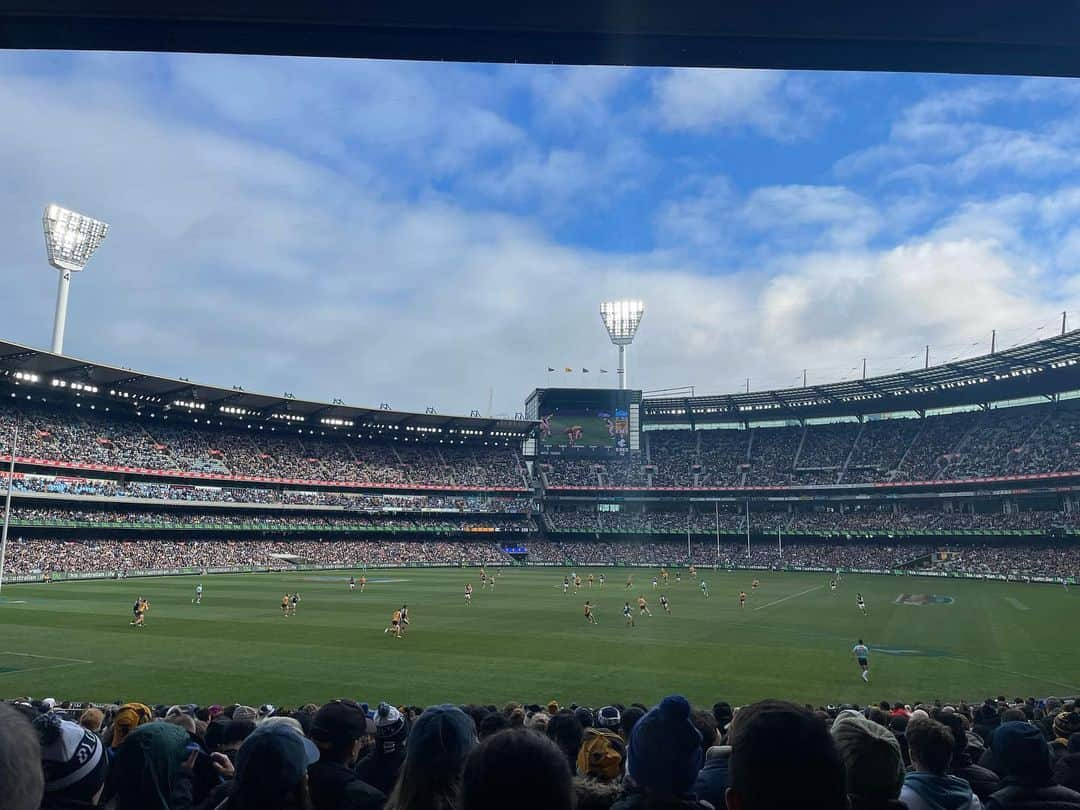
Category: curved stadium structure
[969,467]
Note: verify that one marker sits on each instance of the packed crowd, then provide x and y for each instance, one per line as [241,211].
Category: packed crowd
[350,501]
[345,755]
[998,442]
[888,519]
[46,516]
[157,445]
[36,556]
[32,555]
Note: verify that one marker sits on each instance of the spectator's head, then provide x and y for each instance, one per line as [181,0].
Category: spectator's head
[129,717]
[519,769]
[147,765]
[391,730]
[602,755]
[630,717]
[1074,743]
[930,745]
[955,724]
[234,734]
[1066,724]
[492,724]
[20,762]
[705,723]
[271,770]
[338,729]
[1021,754]
[566,732]
[185,721]
[584,716]
[783,759]
[440,741]
[92,719]
[539,721]
[608,717]
[73,760]
[665,751]
[247,713]
[722,713]
[872,761]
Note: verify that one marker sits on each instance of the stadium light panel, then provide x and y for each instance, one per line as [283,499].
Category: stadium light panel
[621,319]
[71,238]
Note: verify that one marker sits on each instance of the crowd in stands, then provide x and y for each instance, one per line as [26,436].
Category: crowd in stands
[157,445]
[265,521]
[978,444]
[351,501]
[884,520]
[346,755]
[33,555]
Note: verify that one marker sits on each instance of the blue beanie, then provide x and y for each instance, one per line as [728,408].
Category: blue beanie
[1021,754]
[664,755]
[442,736]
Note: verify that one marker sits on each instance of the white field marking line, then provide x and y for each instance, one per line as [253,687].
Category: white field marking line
[1071,687]
[1016,603]
[40,669]
[12,602]
[50,657]
[790,596]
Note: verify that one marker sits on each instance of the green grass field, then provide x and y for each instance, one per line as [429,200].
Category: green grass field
[527,641]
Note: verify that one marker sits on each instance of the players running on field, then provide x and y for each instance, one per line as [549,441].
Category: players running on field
[628,614]
[704,589]
[589,617]
[861,603]
[629,582]
[655,583]
[404,619]
[468,593]
[197,598]
[602,582]
[395,624]
[643,607]
[742,599]
[294,600]
[285,605]
[754,585]
[591,580]
[862,655]
[565,584]
[141,606]
[665,604]
[352,583]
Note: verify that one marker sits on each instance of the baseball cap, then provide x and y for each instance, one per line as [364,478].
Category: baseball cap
[339,721]
[271,763]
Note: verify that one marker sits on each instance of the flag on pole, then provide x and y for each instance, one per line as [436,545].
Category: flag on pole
[603,371]
[568,370]
[584,371]
[550,368]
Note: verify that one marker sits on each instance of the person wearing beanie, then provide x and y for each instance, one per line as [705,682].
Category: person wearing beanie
[538,722]
[272,771]
[1023,761]
[338,729]
[438,745]
[1066,724]
[601,755]
[1067,767]
[92,720]
[782,758]
[872,762]
[983,781]
[380,767]
[930,786]
[74,763]
[151,770]
[21,779]
[664,756]
[128,717]
[245,713]
[553,707]
[518,769]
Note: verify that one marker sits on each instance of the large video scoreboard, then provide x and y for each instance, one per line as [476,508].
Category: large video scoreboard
[585,421]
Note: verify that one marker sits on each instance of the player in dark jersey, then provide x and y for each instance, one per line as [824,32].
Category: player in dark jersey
[665,604]
[742,599]
[628,614]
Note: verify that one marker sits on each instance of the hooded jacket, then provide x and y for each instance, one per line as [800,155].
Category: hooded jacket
[927,791]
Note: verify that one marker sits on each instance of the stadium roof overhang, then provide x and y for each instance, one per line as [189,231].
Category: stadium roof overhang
[1037,37]
[42,371]
[1044,368]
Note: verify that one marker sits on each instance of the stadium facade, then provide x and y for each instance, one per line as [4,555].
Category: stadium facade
[973,454]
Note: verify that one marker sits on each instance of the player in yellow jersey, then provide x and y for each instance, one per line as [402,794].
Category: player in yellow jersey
[643,607]
[141,606]
[754,584]
[395,624]
[285,605]
[664,575]
[589,617]
[577,584]
[742,599]
[468,593]
[693,572]
[591,580]
[629,582]
[363,583]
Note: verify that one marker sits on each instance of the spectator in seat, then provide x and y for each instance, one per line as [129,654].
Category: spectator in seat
[1067,768]
[983,781]
[599,767]
[438,744]
[518,769]
[663,758]
[782,758]
[1023,759]
[380,767]
[712,780]
[129,717]
[872,763]
[630,717]
[272,771]
[21,781]
[565,730]
[930,786]
[337,730]
[74,762]
[152,769]
[92,720]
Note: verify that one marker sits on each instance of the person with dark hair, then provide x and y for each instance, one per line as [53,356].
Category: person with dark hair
[1067,767]
[630,717]
[664,756]
[517,768]
[705,723]
[74,762]
[493,724]
[440,740]
[337,730]
[930,786]
[783,758]
[722,713]
[566,732]
[21,780]
[1023,759]
[380,767]
[272,771]
[872,763]
[983,781]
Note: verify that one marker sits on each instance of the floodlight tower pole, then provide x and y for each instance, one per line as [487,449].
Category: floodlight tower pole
[622,367]
[7,504]
[70,240]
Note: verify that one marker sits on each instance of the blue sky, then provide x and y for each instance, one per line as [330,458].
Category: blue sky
[427,234]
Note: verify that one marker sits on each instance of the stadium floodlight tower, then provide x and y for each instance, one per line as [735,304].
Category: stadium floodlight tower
[70,239]
[621,319]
